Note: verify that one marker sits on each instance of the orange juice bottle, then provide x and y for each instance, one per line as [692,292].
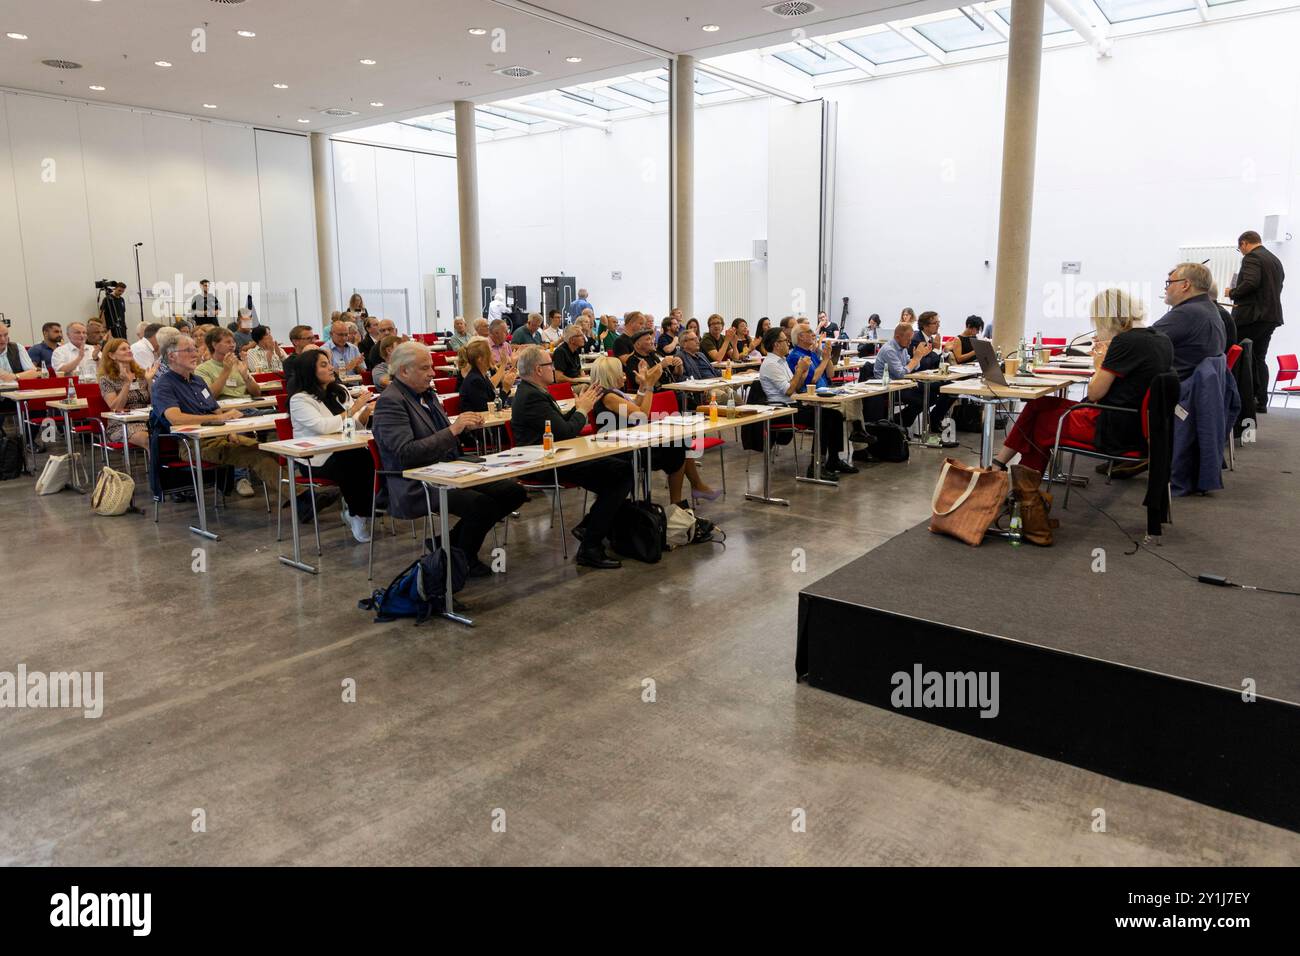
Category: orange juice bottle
[713,408]
[548,441]
[726,371]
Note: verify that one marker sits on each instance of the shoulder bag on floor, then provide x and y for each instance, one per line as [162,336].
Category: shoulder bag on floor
[685,528]
[54,477]
[11,457]
[420,590]
[640,531]
[967,500]
[1036,522]
[888,443]
[113,492]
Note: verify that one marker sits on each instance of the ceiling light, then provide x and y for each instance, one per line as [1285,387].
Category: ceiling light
[376,104]
[97,89]
[367,62]
[281,86]
[246,33]
[209,106]
[710,28]
[304,121]
[477,31]
[462,82]
[161,63]
[573,59]
[16,36]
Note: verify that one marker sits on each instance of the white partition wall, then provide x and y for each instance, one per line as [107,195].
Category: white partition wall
[794,189]
[80,184]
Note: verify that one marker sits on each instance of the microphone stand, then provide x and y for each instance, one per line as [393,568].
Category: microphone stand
[138,284]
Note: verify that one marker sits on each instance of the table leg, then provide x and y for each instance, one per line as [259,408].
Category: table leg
[444,524]
[296,561]
[67,438]
[928,438]
[196,477]
[817,478]
[987,421]
[766,496]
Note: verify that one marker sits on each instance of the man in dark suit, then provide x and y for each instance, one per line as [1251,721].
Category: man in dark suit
[609,479]
[412,430]
[1257,304]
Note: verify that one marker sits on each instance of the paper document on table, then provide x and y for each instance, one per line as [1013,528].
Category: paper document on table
[752,409]
[629,436]
[690,418]
[971,368]
[261,421]
[514,457]
[322,441]
[450,469]
[231,402]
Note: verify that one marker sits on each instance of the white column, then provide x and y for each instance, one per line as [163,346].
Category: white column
[682,203]
[327,250]
[471,295]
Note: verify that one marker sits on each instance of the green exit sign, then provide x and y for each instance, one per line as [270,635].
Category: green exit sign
[442,270]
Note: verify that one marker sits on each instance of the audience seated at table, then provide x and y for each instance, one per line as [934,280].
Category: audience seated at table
[550,331]
[695,364]
[242,327]
[412,431]
[370,336]
[618,409]
[342,350]
[568,354]
[499,339]
[225,373]
[530,332]
[669,331]
[318,405]
[146,349]
[42,353]
[610,479]
[781,383]
[963,347]
[1193,323]
[386,328]
[718,345]
[643,353]
[482,383]
[928,331]
[265,354]
[180,397]
[1127,356]
[78,356]
[633,323]
[125,387]
[760,334]
[901,360]
[380,376]
[746,345]
[459,334]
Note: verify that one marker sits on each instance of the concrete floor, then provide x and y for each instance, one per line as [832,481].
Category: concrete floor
[224,693]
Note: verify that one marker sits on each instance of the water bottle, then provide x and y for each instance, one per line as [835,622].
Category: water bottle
[884,376]
[45,371]
[1014,534]
[349,427]
[731,403]
[72,391]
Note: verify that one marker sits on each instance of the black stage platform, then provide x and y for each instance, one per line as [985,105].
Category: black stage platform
[1137,672]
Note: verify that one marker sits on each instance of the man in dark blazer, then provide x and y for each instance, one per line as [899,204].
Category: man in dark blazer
[412,430]
[609,479]
[1257,304]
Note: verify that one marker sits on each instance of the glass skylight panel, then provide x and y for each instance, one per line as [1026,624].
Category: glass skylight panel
[881,48]
[1125,11]
[1052,22]
[510,115]
[561,104]
[595,100]
[958,33]
[642,91]
[814,63]
[706,85]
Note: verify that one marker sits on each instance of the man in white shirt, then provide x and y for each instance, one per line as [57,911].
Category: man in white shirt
[497,307]
[145,350]
[76,356]
[780,385]
[15,363]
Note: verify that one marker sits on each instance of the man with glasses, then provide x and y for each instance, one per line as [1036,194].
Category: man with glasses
[385,328]
[1193,324]
[343,353]
[781,383]
[609,479]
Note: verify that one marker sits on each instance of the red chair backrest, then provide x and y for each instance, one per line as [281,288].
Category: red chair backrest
[1057,346]
[268,376]
[366,377]
[1287,366]
[560,390]
[425,338]
[283,429]
[450,403]
[1144,414]
[95,404]
[445,386]
[663,403]
[281,402]
[1234,353]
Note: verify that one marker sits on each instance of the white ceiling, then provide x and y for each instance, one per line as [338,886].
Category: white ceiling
[422,48]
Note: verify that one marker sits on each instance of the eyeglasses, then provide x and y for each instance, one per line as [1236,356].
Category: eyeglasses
[1169,282]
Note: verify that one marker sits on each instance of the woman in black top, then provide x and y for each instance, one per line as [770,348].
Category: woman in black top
[962,349]
[482,385]
[760,333]
[1128,357]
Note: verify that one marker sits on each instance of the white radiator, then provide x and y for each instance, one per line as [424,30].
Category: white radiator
[731,282]
[1223,265]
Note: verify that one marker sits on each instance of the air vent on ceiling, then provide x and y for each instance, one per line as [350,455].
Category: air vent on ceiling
[335,111]
[227,3]
[62,64]
[518,72]
[792,8]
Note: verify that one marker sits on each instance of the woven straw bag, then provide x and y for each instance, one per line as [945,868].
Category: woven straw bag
[113,492]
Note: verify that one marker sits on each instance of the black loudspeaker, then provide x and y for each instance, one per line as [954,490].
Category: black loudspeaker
[558,292]
[489,287]
[517,297]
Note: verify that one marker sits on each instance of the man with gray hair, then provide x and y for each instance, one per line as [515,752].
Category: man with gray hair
[412,430]
[568,354]
[502,350]
[1192,324]
[579,305]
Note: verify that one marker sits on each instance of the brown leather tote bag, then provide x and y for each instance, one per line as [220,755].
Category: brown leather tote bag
[967,500]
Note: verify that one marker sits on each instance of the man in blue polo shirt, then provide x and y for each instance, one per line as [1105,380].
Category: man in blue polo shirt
[577,305]
[179,397]
[819,364]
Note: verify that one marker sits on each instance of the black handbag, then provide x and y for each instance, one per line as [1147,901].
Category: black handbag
[889,444]
[640,531]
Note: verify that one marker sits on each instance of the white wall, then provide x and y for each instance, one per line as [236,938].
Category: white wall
[577,201]
[81,184]
[1181,138]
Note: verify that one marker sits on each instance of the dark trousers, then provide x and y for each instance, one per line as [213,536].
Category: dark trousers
[354,472]
[610,480]
[939,408]
[479,509]
[1260,334]
[832,435]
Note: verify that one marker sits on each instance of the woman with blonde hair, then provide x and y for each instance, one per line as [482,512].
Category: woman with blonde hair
[480,383]
[610,375]
[125,387]
[1128,356]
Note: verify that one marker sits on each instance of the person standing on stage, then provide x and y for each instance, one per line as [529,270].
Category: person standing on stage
[1257,305]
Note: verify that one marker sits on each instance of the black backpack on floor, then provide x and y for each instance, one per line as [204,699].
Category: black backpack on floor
[640,531]
[11,458]
[889,444]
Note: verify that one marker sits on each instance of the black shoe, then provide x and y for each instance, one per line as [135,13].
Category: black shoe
[844,467]
[949,444]
[477,569]
[1129,470]
[324,498]
[827,473]
[597,558]
[860,437]
[579,531]
[1261,409]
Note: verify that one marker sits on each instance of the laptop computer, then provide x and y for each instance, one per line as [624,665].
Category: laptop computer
[988,360]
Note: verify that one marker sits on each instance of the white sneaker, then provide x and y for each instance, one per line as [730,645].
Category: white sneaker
[244,488]
[359,529]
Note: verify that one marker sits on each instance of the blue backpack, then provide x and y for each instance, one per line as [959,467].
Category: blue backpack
[420,590]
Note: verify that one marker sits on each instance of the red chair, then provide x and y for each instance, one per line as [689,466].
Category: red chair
[555,486]
[1287,369]
[560,390]
[284,432]
[1055,346]
[1088,451]
[1234,353]
[96,409]
[260,377]
[366,377]
[444,371]
[445,386]
[665,403]
[450,403]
